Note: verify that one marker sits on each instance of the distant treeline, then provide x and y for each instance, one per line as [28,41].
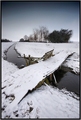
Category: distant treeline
[42,35]
[5,40]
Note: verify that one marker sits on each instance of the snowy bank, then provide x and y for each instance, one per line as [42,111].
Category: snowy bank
[5,46]
[73,63]
[7,67]
[38,49]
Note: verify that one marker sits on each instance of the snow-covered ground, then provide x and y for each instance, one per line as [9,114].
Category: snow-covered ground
[7,67]
[73,62]
[45,102]
[38,50]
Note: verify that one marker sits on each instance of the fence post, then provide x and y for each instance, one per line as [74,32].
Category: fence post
[25,60]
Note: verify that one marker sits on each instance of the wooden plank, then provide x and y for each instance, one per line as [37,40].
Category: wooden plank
[48,55]
[27,78]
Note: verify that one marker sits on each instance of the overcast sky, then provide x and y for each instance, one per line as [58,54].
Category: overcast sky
[20,18]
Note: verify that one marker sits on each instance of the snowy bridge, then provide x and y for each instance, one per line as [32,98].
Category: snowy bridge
[27,78]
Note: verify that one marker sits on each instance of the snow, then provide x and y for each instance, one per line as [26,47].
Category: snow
[42,99]
[46,104]
[73,62]
[7,67]
[38,50]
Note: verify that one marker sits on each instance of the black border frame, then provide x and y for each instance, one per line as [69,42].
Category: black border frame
[79,40]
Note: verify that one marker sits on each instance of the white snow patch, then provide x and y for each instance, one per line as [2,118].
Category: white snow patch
[7,69]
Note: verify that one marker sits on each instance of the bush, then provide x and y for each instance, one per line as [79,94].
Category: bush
[21,40]
[61,36]
[5,40]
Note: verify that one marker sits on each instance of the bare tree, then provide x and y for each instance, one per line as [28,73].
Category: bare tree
[31,38]
[35,33]
[40,34]
[43,33]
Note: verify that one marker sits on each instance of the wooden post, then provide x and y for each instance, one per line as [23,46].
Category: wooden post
[54,79]
[50,77]
[29,58]
[25,60]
